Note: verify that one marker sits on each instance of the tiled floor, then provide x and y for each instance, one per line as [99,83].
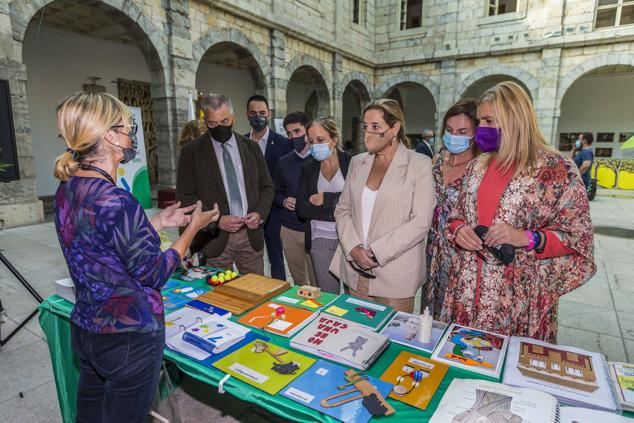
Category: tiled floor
[598,316]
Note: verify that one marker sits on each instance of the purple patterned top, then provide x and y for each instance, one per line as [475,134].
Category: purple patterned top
[114,257]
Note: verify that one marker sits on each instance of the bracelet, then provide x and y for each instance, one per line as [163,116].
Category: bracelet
[457,229]
[544,238]
[531,240]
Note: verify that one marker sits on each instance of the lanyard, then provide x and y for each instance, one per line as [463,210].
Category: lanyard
[86,166]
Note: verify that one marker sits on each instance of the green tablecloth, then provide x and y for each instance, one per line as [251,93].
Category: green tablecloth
[54,320]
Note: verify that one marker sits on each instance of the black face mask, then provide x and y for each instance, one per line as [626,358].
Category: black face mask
[221,133]
[258,123]
[299,143]
[129,153]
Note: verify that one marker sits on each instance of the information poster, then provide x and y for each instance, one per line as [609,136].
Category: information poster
[133,176]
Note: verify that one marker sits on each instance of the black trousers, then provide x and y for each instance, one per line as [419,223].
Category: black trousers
[273,241]
[119,374]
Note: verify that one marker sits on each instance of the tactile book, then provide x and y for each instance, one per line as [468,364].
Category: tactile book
[215,334]
[474,401]
[362,312]
[321,383]
[264,365]
[402,374]
[575,376]
[403,329]
[242,294]
[177,323]
[283,320]
[341,341]
[623,379]
[290,297]
[472,349]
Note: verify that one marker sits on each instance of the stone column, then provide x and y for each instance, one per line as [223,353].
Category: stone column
[19,202]
[447,92]
[546,105]
[172,98]
[278,81]
[336,93]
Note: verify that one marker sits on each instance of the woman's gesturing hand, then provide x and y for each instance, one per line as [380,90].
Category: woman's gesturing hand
[200,219]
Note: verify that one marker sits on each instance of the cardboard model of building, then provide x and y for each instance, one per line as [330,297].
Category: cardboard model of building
[309,292]
[557,366]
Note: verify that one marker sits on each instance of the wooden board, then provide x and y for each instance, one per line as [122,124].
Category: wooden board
[253,288]
[244,293]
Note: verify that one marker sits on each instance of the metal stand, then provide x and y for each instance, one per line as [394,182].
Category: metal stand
[29,288]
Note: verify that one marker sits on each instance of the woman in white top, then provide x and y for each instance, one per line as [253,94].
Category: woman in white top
[320,184]
[384,213]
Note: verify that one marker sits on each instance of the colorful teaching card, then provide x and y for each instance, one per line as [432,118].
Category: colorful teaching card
[472,349]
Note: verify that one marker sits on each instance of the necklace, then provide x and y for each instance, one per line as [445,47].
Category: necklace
[89,167]
[458,164]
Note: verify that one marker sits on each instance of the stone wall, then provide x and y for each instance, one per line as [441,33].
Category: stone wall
[546,45]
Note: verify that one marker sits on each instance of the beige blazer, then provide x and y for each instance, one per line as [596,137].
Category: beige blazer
[398,228]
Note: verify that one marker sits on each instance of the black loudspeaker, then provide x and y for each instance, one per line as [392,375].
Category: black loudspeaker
[9,170]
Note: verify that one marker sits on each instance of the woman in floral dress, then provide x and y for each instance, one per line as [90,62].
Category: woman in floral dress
[458,129]
[530,197]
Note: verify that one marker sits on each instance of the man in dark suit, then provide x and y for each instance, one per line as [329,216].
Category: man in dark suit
[223,167]
[426,145]
[273,146]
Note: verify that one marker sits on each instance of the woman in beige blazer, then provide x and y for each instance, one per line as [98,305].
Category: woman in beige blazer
[384,213]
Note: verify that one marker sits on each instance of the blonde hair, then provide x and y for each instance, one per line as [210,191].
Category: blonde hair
[329,125]
[82,120]
[392,114]
[521,139]
[192,130]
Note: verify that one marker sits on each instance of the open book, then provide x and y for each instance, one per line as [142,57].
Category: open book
[474,401]
[177,323]
[623,379]
[575,376]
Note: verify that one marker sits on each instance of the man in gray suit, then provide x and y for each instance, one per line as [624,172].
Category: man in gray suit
[224,167]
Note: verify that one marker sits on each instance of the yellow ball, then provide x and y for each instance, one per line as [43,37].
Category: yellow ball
[214,278]
[234,275]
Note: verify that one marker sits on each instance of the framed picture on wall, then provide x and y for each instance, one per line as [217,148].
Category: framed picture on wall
[605,137]
[624,136]
[567,140]
[9,170]
[603,152]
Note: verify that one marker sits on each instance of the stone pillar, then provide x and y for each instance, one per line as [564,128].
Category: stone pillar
[278,81]
[447,91]
[172,98]
[546,105]
[19,202]
[336,93]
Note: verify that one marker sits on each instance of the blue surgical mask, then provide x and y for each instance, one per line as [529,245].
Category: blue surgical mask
[578,143]
[456,144]
[320,152]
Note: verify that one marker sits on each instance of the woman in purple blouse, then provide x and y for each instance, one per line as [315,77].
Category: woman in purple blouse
[113,255]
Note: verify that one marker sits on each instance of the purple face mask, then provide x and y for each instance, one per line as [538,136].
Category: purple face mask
[487,139]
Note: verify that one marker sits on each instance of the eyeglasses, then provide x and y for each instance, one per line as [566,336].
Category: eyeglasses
[134,127]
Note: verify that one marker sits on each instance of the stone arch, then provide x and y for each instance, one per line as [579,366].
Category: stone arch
[610,59]
[418,78]
[23,11]
[322,80]
[238,38]
[361,79]
[302,60]
[523,76]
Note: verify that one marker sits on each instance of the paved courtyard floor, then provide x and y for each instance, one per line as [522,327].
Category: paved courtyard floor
[598,316]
